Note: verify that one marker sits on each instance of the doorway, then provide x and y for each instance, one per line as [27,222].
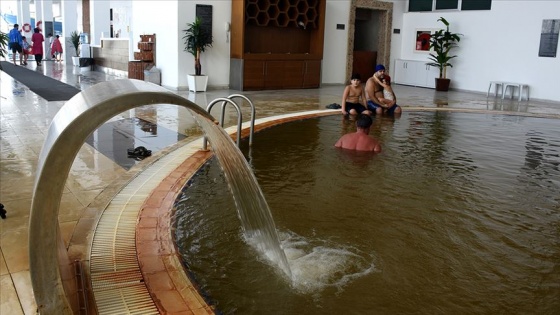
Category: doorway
[369,37]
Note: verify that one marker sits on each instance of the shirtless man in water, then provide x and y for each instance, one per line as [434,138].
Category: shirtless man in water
[354,98]
[374,92]
[360,140]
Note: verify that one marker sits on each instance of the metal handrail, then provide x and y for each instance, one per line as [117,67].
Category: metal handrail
[224,101]
[221,122]
[252,128]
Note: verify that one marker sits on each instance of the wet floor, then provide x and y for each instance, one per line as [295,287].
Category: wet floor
[114,139]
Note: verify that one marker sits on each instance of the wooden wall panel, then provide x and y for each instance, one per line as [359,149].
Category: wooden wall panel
[266,35]
[254,73]
[293,74]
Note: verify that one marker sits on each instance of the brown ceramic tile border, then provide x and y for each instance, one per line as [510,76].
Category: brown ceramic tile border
[160,262]
[158,258]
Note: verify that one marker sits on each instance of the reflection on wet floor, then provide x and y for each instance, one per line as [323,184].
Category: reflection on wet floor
[113,139]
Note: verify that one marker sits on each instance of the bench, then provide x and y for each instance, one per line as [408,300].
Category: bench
[503,85]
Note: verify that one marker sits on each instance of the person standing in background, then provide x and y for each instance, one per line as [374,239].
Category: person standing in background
[14,43]
[37,39]
[26,50]
[57,49]
[50,53]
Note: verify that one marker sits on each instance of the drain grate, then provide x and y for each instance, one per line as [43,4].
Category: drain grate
[116,279]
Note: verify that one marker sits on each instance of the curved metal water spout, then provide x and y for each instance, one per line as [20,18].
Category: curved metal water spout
[75,121]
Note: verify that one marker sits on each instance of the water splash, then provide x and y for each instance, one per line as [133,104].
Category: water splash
[318,264]
[252,208]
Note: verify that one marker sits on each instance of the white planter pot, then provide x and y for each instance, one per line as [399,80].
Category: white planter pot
[75,61]
[197,83]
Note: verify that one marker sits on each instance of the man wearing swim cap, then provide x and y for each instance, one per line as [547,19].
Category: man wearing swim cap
[374,91]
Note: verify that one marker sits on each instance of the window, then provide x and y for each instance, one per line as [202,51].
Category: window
[476,4]
[447,4]
[419,5]
[434,5]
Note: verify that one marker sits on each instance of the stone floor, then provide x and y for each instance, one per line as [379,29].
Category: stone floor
[25,118]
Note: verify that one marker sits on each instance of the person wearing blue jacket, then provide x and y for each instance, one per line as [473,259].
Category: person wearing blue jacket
[14,43]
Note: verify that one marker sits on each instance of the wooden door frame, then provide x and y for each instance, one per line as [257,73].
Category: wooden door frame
[384,47]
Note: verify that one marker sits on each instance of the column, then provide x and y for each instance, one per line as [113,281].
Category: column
[69,12]
[99,20]
[38,13]
[38,16]
[47,26]
[24,17]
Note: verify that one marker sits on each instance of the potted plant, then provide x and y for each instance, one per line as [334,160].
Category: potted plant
[441,42]
[75,41]
[197,39]
[3,45]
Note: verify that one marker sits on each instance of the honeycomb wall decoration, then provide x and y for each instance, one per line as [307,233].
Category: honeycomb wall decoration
[282,13]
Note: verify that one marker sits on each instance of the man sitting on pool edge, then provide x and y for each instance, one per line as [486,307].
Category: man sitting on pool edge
[360,140]
[374,91]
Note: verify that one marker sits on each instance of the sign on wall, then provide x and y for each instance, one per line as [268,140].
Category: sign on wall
[422,40]
[204,13]
[549,38]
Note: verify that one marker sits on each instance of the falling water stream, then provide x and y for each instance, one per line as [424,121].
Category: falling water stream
[256,219]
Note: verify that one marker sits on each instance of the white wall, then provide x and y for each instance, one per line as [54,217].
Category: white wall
[498,44]
[100,21]
[70,14]
[333,70]
[399,7]
[215,60]
[166,29]
[167,20]
[122,17]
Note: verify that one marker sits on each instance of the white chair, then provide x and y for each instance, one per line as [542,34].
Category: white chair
[513,86]
[497,85]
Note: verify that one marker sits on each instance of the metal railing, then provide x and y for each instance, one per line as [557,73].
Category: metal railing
[225,101]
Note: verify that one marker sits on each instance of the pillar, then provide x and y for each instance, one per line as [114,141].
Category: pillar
[69,12]
[24,17]
[100,22]
[47,16]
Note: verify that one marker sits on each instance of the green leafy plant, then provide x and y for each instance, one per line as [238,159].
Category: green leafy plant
[75,41]
[3,45]
[196,42]
[441,42]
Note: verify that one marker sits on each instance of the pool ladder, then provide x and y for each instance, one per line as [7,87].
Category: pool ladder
[226,100]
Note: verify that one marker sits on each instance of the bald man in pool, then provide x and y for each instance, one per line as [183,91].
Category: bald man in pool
[360,140]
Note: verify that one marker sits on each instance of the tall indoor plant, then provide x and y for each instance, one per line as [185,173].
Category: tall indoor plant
[441,42]
[75,41]
[197,39]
